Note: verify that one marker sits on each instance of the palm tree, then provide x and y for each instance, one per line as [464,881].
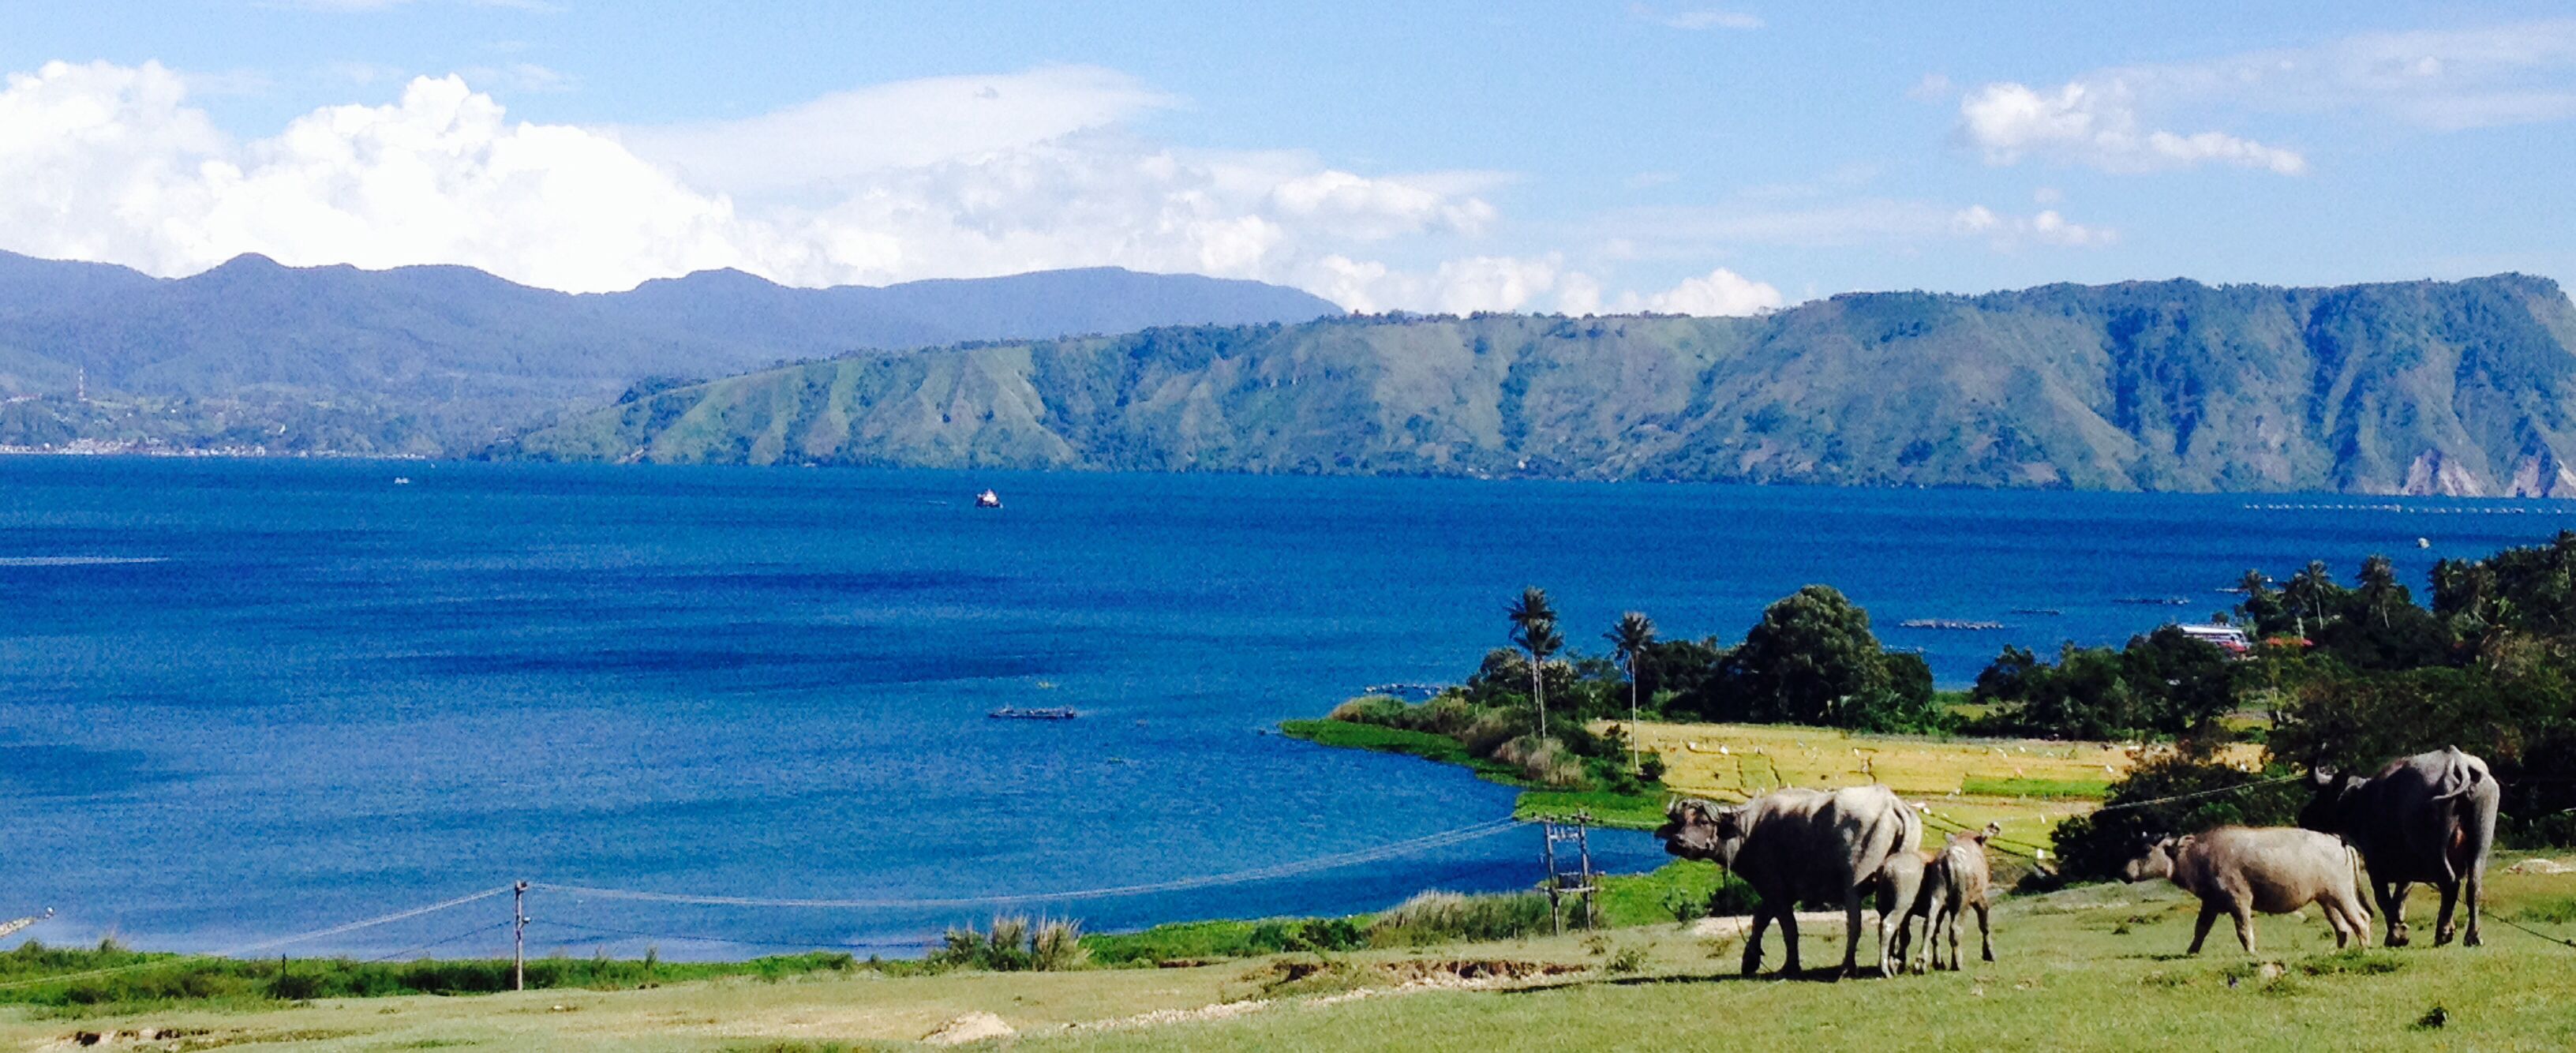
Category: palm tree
[1629,640]
[2378,584]
[2311,587]
[1534,629]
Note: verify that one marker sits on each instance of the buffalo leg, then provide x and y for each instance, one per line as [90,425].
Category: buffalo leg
[2200,931]
[1851,931]
[1985,931]
[2392,902]
[2472,881]
[1788,915]
[2442,930]
[2245,926]
[1753,939]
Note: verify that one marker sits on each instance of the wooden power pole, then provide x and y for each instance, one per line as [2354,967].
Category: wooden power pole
[519,936]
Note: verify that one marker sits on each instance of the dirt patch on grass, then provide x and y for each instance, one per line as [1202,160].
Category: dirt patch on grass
[183,1040]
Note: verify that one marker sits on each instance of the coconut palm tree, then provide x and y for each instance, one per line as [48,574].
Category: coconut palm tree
[1534,630]
[1629,640]
[2378,584]
[2308,591]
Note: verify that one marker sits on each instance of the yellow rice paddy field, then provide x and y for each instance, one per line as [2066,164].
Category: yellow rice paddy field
[2027,785]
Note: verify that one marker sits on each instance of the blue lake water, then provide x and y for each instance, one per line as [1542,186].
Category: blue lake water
[242,699]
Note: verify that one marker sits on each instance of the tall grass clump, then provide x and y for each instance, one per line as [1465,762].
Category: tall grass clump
[1013,944]
[1443,917]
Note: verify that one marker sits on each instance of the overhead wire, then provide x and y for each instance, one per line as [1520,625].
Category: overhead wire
[235,952]
[1412,846]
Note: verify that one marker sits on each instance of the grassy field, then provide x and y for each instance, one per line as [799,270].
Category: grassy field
[2025,785]
[2089,968]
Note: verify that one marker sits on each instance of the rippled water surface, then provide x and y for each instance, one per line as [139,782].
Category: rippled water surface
[242,699]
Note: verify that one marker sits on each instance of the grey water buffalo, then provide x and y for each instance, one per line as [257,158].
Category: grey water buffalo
[1796,845]
[2430,817]
[1897,890]
[1958,880]
[2237,870]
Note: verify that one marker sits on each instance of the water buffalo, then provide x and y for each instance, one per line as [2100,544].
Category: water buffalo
[1956,881]
[2238,870]
[1794,845]
[2430,817]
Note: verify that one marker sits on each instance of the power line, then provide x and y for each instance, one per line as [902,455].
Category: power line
[234,952]
[475,931]
[2536,932]
[1426,843]
[2240,788]
[857,945]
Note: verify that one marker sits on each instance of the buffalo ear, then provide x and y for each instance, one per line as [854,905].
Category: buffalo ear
[1730,824]
[2321,776]
[1991,830]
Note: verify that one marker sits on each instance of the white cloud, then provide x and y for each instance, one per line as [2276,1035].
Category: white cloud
[520,77]
[2097,125]
[2047,228]
[815,145]
[1713,20]
[1719,292]
[2440,80]
[111,163]
[1695,233]
[2435,80]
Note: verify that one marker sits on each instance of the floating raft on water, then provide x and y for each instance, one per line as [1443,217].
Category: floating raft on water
[1017,713]
[1950,623]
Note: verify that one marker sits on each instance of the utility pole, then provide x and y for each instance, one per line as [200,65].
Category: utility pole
[519,936]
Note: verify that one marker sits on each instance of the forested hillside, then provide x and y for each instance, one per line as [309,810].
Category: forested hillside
[2421,387]
[448,359]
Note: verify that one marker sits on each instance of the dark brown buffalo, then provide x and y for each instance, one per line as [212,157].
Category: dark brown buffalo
[2430,817]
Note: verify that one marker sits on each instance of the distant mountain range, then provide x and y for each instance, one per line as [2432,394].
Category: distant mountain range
[2419,387]
[448,359]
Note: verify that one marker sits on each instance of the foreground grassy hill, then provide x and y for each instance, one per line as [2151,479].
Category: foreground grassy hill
[2090,968]
[2427,387]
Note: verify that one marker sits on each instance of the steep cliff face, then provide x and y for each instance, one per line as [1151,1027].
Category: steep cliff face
[2424,387]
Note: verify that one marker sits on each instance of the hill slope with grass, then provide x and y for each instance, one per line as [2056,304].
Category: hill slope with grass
[2089,968]
[2421,387]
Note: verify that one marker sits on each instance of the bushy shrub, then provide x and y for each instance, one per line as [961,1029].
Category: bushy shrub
[2095,846]
[1013,944]
[1443,917]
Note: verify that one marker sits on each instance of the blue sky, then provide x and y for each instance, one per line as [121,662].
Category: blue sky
[1425,156]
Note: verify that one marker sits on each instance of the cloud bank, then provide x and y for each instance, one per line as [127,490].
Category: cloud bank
[944,177]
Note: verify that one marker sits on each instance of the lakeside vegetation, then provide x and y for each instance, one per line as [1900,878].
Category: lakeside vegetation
[2334,675]
[78,980]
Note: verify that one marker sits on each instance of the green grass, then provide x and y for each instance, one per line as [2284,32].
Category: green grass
[145,978]
[1636,900]
[1346,734]
[2096,967]
[2049,789]
[1633,811]
[1207,941]
[2092,968]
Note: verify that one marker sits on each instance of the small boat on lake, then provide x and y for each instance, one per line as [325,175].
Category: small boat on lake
[1045,713]
[988,499]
